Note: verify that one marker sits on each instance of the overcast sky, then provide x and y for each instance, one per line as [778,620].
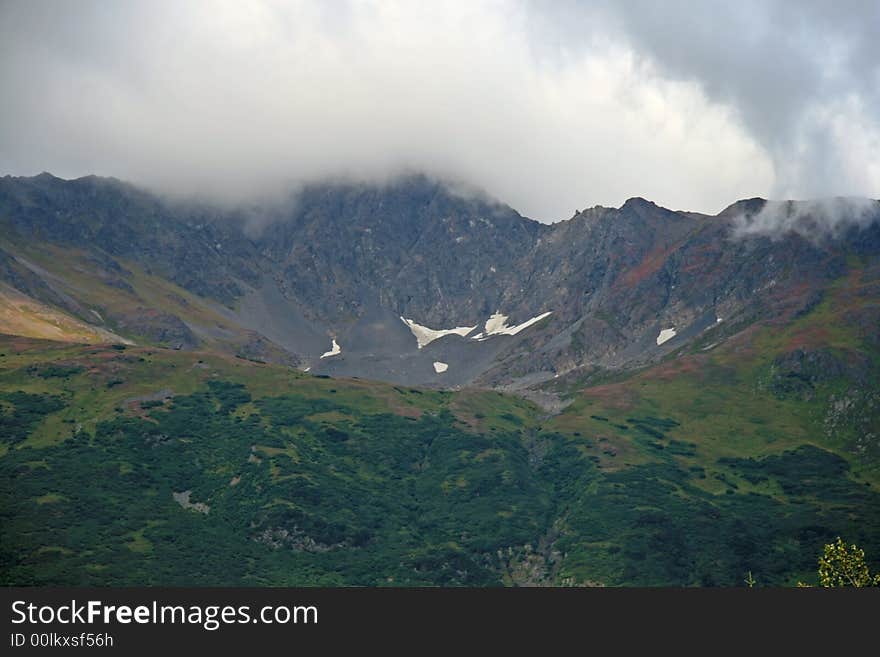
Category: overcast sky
[549,106]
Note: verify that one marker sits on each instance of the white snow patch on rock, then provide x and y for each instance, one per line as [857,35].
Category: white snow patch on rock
[718,320]
[497,325]
[425,335]
[665,334]
[335,350]
[440,367]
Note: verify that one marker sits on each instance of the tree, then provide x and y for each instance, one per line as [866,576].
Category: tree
[843,565]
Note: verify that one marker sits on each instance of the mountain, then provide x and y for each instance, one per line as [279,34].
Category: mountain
[367,266]
[635,396]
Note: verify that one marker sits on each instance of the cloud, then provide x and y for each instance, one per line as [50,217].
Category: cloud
[816,219]
[803,77]
[549,107]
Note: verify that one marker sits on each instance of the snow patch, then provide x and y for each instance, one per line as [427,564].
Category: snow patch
[718,320]
[335,350]
[497,325]
[440,367]
[665,334]
[425,335]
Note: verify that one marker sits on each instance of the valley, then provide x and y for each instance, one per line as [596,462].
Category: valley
[400,386]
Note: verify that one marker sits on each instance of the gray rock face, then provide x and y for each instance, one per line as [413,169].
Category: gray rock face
[157,327]
[345,262]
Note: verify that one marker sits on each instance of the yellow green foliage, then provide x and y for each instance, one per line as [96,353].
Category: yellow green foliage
[843,565]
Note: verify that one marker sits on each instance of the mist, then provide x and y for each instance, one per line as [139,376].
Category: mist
[817,219]
[549,107]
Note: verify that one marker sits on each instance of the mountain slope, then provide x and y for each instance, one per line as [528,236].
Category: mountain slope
[710,401]
[349,263]
[120,464]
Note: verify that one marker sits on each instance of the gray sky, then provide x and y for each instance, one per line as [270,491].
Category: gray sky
[549,106]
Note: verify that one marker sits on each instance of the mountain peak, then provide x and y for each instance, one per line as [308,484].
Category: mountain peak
[744,206]
[637,202]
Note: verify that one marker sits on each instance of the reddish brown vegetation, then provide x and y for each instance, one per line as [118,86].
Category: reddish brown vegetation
[612,395]
[648,266]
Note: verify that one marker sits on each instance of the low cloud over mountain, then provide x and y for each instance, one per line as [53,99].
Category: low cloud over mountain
[551,107]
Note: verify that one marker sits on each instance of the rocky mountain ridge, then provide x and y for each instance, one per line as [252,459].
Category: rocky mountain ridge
[345,264]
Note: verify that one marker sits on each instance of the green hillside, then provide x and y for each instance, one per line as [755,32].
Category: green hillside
[139,465]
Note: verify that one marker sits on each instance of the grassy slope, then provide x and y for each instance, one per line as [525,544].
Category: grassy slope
[691,472]
[72,272]
[320,465]
[22,315]
[700,416]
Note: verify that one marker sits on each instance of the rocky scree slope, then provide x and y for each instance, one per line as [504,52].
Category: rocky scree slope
[347,262]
